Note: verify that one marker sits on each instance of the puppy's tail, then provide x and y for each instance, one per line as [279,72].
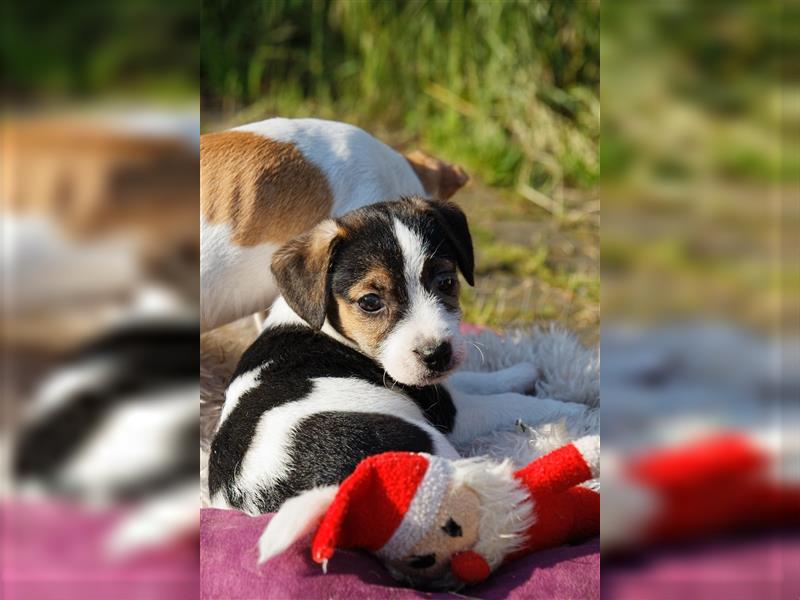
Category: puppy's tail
[296,518]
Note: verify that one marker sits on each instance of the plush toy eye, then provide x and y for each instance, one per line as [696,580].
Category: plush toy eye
[370,303]
[422,562]
[452,528]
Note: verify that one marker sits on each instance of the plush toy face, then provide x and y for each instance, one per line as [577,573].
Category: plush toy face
[455,529]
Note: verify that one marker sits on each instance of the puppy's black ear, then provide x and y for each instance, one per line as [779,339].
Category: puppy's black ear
[301,269]
[454,222]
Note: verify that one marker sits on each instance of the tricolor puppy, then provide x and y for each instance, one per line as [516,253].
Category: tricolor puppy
[264,183]
[354,358]
[116,422]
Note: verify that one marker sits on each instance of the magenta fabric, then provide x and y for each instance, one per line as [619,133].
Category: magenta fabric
[56,551]
[763,567]
[228,569]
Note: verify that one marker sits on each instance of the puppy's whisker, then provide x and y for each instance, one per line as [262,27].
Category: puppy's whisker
[438,399]
[384,379]
[478,348]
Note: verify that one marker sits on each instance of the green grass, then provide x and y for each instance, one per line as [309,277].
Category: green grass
[509,89]
[530,270]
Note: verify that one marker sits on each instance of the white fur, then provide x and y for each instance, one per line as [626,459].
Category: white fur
[297,517]
[282,314]
[567,370]
[234,280]
[60,388]
[360,170]
[162,519]
[627,505]
[108,459]
[589,448]
[241,385]
[427,322]
[266,460]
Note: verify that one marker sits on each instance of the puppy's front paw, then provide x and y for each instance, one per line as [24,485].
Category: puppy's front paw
[522,378]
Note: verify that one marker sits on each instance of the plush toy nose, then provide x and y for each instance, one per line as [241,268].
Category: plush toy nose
[470,567]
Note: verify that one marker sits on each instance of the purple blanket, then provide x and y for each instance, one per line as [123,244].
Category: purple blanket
[55,550]
[228,569]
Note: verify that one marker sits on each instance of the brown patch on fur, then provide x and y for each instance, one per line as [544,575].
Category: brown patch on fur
[94,180]
[377,280]
[440,179]
[366,330]
[301,270]
[265,190]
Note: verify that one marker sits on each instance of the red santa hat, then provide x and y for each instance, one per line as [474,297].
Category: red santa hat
[386,505]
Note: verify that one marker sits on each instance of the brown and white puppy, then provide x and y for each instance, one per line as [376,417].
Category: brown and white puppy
[94,207]
[264,183]
[353,359]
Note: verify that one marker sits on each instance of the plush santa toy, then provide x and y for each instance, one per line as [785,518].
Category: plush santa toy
[725,483]
[445,523]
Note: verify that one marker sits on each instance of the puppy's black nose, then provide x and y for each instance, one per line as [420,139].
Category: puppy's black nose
[436,358]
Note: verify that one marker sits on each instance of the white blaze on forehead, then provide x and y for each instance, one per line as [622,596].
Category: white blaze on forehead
[413,247]
[423,307]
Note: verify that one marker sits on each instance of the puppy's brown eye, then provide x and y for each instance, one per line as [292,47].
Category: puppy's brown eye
[422,562]
[452,528]
[370,303]
[446,284]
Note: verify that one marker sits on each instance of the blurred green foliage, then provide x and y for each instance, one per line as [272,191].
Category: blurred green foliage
[700,160]
[509,89]
[130,48]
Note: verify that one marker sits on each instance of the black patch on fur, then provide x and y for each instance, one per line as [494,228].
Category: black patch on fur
[46,444]
[297,354]
[372,243]
[445,231]
[326,447]
[151,351]
[144,357]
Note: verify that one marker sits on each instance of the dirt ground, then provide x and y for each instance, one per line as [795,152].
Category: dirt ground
[533,267]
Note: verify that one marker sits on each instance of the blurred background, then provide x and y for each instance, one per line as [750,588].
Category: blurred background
[98,328]
[700,300]
[509,90]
